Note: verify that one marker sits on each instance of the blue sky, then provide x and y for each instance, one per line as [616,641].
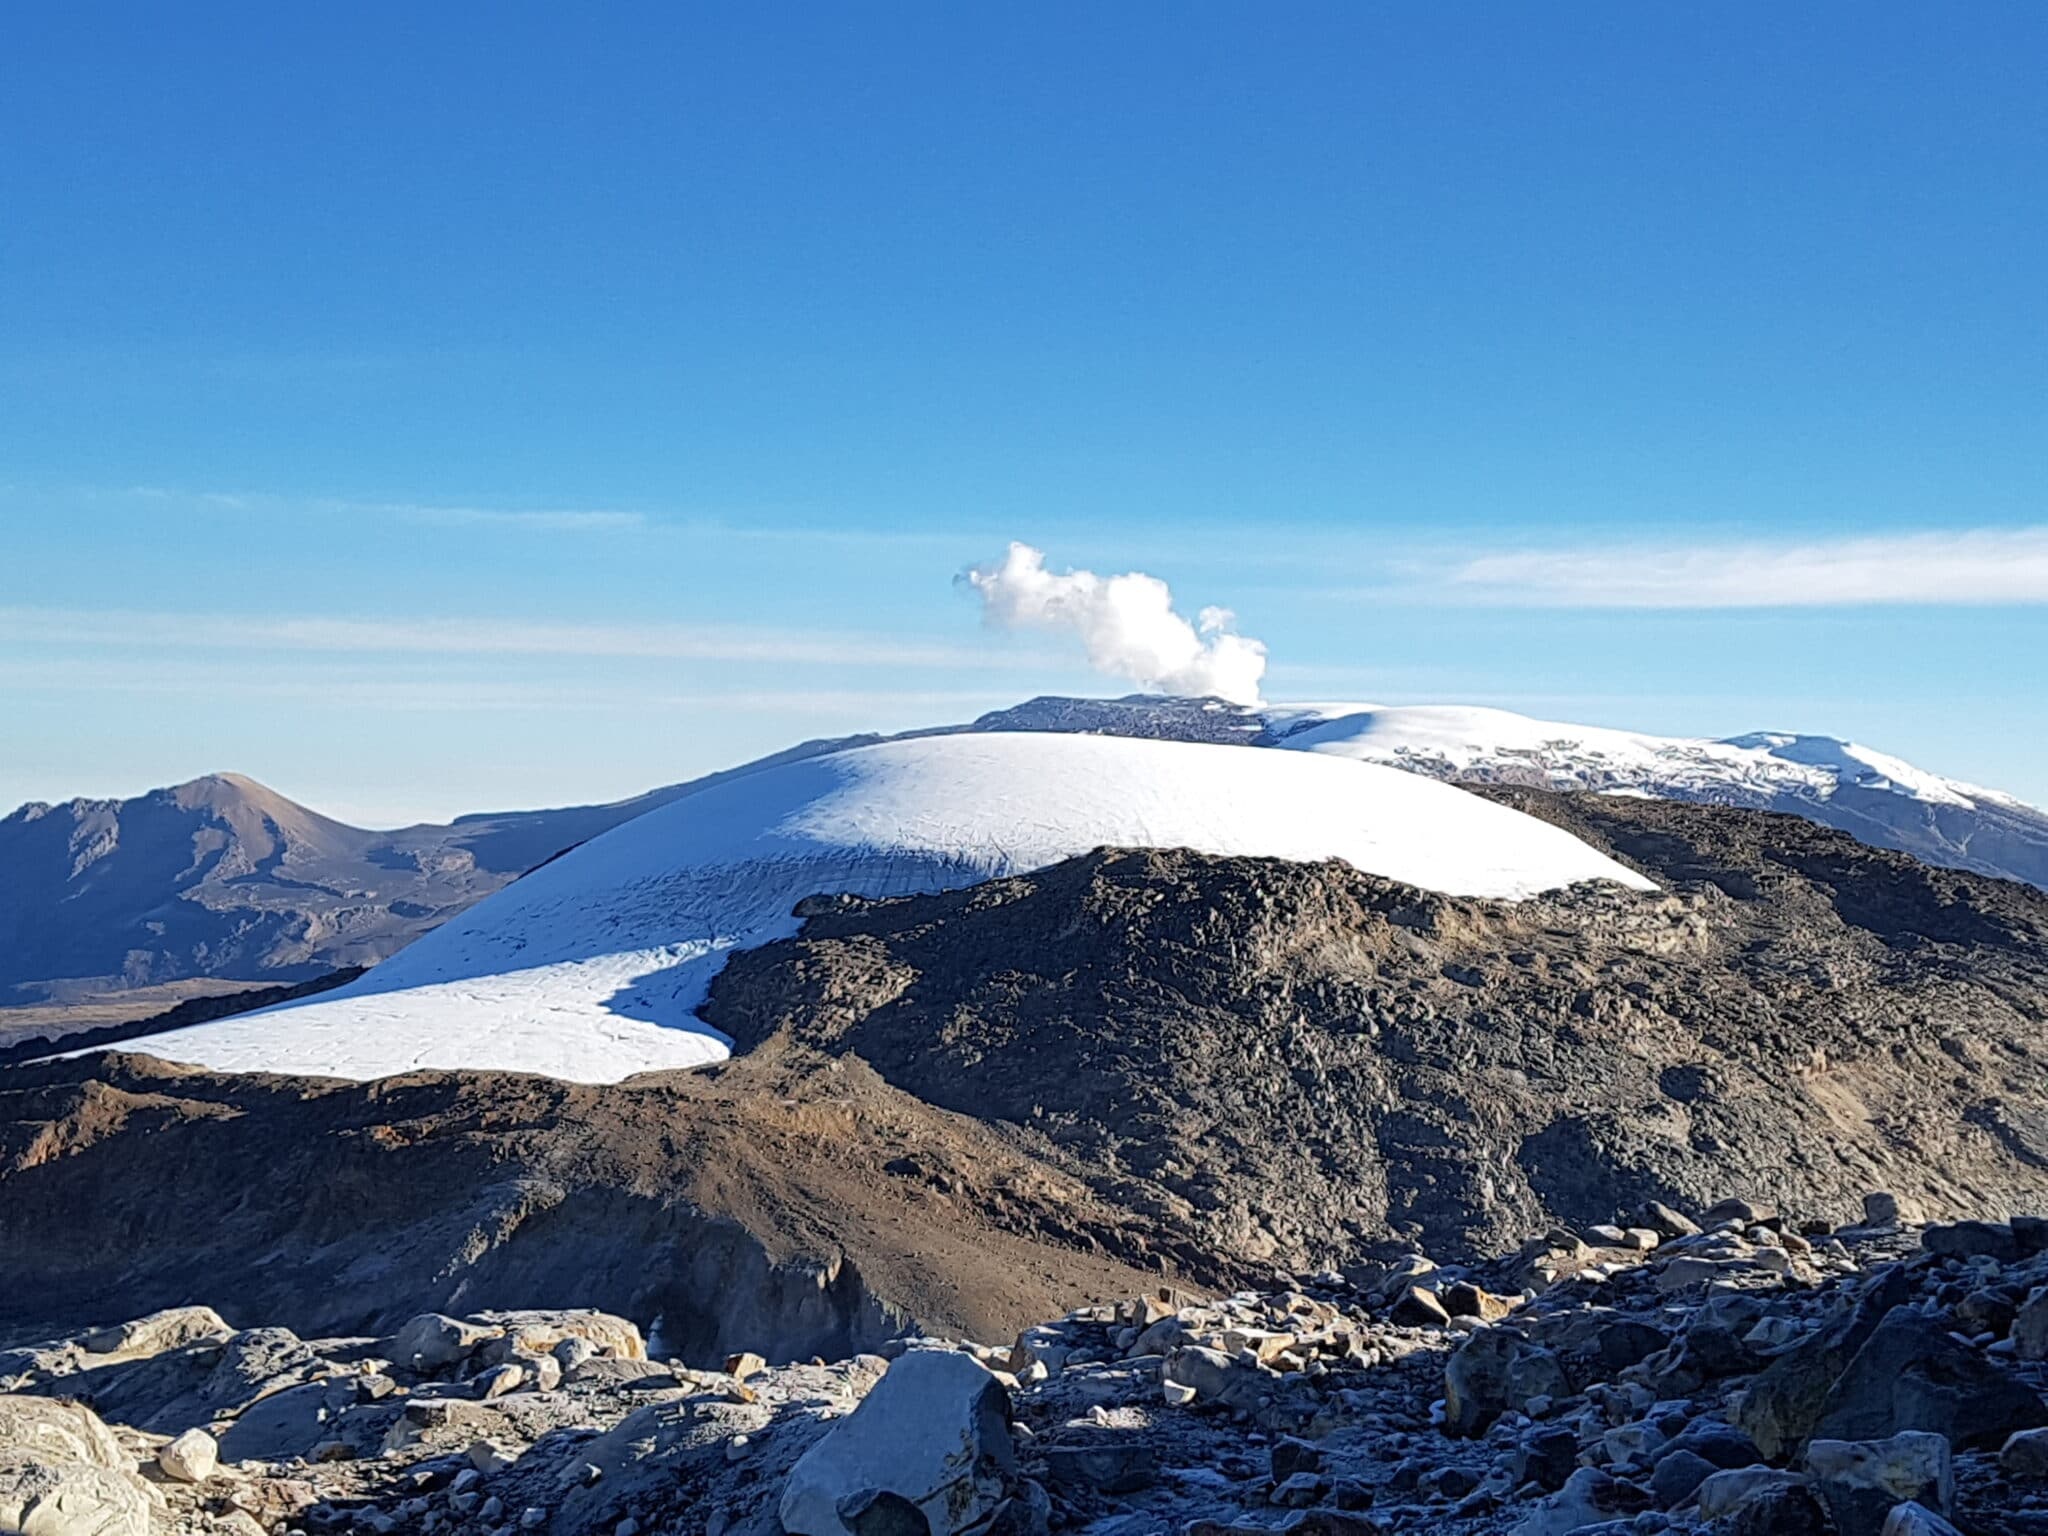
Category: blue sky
[433,408]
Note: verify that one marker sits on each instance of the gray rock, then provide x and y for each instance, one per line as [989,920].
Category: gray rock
[152,1335]
[1677,1477]
[434,1342]
[2025,1454]
[1725,1492]
[1916,1520]
[1860,1481]
[1120,1465]
[1783,1403]
[1664,1221]
[935,1430]
[62,1473]
[1912,1375]
[2030,1326]
[190,1457]
[1881,1209]
[1972,1240]
[1213,1376]
[1493,1371]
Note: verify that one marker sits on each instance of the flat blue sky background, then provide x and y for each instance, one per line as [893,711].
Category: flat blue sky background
[431,408]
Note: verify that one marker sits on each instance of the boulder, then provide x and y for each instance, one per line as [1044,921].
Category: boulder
[934,1430]
[1493,1371]
[1916,1520]
[1781,1406]
[288,1423]
[1588,1497]
[1678,1476]
[1726,1492]
[2030,1326]
[152,1335]
[1972,1240]
[2025,1454]
[1661,1219]
[1860,1480]
[1212,1376]
[1912,1375]
[434,1342]
[1788,1511]
[62,1473]
[1418,1308]
[1881,1209]
[536,1332]
[190,1457]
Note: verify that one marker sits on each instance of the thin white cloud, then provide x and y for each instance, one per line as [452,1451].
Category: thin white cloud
[231,680]
[557,521]
[137,629]
[736,525]
[545,519]
[1979,567]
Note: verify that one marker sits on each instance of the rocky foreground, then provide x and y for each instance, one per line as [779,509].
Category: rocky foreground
[1731,1373]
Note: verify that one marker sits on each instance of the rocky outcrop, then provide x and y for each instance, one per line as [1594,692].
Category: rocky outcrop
[1289,1063]
[1302,1407]
[63,1474]
[934,1433]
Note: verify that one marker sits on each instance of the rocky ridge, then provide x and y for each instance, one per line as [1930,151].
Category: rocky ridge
[223,877]
[1659,1373]
[1286,1063]
[969,1109]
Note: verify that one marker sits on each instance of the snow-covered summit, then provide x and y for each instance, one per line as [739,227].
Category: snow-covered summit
[1465,742]
[591,967]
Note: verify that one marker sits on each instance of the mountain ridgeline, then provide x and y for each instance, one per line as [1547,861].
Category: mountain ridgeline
[224,878]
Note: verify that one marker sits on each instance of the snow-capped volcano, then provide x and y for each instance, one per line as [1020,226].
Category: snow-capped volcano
[1870,794]
[591,968]
[1460,742]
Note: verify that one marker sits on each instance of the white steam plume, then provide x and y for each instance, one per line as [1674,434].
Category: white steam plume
[1125,623]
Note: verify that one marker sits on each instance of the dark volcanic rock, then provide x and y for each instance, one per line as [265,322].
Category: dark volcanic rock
[1297,1060]
[1911,1374]
[1787,1400]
